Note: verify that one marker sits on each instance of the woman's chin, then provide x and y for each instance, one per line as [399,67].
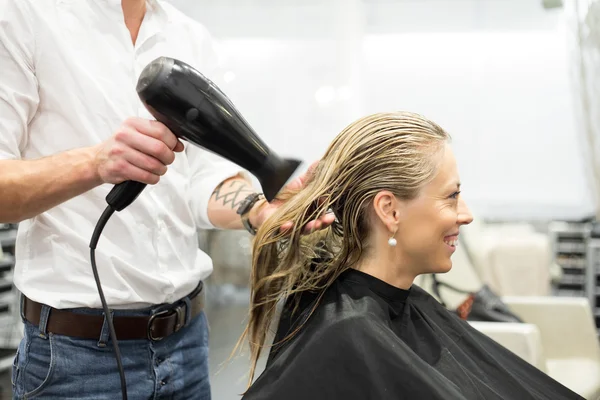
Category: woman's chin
[442,268]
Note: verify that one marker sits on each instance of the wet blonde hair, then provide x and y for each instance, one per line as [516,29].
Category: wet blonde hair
[386,151]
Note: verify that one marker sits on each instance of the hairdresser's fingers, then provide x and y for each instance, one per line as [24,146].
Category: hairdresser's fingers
[154,129]
[286,227]
[327,219]
[318,224]
[146,163]
[312,226]
[323,222]
[179,147]
[145,144]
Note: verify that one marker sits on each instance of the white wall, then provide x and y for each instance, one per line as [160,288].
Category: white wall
[495,74]
[504,96]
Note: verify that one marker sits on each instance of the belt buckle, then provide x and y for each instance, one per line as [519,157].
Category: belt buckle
[179,310]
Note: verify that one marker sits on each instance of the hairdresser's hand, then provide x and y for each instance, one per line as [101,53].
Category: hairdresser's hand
[140,150]
[267,209]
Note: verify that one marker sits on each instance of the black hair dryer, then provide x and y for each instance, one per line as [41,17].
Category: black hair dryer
[196,110]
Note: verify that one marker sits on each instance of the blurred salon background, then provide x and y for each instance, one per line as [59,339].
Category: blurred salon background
[516,83]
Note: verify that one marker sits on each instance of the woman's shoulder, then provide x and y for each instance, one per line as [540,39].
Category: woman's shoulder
[334,325]
[334,310]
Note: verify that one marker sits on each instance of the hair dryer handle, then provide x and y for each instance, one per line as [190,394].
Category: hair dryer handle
[123,194]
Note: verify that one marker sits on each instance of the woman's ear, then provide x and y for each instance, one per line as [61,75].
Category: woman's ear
[387,210]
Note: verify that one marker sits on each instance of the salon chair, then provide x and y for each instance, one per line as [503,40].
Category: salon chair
[570,349]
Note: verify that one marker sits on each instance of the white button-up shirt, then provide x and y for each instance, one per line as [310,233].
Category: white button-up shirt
[68,71]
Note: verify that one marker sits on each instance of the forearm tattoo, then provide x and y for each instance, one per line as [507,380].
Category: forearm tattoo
[232,193]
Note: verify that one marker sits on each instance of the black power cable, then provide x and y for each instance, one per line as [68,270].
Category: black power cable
[108,212]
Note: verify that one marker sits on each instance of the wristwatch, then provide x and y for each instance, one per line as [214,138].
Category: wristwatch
[244,210]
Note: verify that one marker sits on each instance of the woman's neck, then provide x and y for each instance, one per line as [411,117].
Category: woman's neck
[387,270]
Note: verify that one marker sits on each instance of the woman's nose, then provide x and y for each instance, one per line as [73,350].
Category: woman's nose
[464,214]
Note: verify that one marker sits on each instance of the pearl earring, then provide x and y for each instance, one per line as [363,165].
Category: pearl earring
[392,241]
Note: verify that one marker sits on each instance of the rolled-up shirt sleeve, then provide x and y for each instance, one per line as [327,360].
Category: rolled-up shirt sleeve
[19,97]
[208,170]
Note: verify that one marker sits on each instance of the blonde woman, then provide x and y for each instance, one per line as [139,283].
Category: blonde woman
[353,325]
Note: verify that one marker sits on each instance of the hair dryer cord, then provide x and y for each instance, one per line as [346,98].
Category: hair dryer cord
[108,212]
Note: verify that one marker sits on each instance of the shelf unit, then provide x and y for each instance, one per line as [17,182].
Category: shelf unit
[8,235]
[576,248]
[593,273]
[569,247]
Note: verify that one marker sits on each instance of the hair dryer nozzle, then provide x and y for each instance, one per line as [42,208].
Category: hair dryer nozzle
[275,173]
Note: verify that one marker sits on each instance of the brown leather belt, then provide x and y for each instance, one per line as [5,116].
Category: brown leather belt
[86,326]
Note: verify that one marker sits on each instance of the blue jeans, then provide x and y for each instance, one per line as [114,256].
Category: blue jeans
[49,366]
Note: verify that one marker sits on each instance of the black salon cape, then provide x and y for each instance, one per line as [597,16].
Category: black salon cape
[370,340]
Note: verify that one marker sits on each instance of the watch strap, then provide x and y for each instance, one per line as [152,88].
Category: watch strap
[244,210]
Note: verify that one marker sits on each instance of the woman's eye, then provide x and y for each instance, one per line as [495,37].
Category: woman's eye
[455,195]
